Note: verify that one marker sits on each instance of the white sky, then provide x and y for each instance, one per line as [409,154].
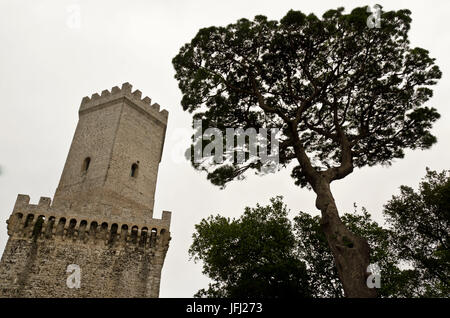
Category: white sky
[46,67]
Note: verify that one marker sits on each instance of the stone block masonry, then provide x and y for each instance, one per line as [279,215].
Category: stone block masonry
[101,218]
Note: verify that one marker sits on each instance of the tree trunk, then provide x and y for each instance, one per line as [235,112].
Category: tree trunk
[350,252]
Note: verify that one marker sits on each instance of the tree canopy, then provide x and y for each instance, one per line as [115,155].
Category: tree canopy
[342,94]
[421,231]
[252,256]
[265,254]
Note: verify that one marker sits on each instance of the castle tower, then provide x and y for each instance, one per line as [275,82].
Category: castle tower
[99,230]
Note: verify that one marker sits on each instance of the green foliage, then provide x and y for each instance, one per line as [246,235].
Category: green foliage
[412,252]
[421,231]
[319,80]
[314,251]
[264,254]
[324,280]
[253,256]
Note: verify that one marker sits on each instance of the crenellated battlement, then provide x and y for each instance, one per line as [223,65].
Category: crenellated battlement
[41,221]
[23,201]
[140,217]
[49,227]
[125,92]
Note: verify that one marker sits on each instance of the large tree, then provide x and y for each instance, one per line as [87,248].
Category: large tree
[343,95]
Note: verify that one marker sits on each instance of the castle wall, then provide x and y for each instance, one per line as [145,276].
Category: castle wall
[94,138]
[116,260]
[138,142]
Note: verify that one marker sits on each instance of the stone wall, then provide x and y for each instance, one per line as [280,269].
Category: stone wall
[116,260]
[115,131]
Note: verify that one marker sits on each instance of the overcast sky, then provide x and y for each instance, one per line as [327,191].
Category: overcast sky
[48,63]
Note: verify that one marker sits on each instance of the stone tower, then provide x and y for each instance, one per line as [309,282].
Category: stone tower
[98,238]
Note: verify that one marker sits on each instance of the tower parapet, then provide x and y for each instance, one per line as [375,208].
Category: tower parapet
[28,218]
[124,93]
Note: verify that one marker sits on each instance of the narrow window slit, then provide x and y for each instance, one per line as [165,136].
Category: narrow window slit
[86,164]
[134,170]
